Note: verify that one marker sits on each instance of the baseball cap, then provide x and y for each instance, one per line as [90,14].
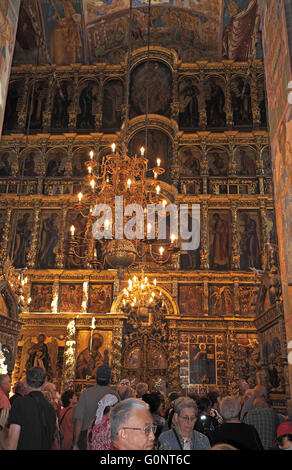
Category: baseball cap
[103,372]
[284,429]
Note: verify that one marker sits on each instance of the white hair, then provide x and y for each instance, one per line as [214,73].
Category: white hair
[122,412]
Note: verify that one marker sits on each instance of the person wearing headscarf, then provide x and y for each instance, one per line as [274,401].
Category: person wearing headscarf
[99,432]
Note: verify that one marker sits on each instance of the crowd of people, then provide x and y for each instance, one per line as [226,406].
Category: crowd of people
[37,417]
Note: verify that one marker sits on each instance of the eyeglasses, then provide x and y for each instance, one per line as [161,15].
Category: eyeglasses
[125,383]
[188,418]
[148,430]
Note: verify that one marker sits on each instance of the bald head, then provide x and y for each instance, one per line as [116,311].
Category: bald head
[260,392]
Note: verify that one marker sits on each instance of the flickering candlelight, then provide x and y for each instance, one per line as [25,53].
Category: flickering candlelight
[161,250]
[129,182]
[91,153]
[142,150]
[92,184]
[157,189]
[72,230]
[113,148]
[80,195]
[158,161]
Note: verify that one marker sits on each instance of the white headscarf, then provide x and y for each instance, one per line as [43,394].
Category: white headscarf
[107,400]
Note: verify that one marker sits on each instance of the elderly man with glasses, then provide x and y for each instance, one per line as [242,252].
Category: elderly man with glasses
[182,436]
[132,426]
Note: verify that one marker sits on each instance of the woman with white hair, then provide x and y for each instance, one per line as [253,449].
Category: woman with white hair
[182,436]
[232,431]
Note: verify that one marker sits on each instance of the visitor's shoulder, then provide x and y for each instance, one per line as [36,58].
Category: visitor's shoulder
[201,441]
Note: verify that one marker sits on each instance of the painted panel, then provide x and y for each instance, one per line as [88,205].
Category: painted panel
[93,350]
[190,299]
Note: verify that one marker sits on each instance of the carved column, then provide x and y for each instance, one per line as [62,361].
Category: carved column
[74,104]
[204,236]
[173,358]
[99,111]
[116,354]
[22,116]
[32,254]
[202,100]
[265,236]
[175,167]
[47,114]
[260,169]
[204,167]
[256,115]
[175,98]
[60,257]
[235,241]
[228,101]
[232,158]
[5,238]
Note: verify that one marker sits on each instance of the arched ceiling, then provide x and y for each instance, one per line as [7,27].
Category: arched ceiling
[92,31]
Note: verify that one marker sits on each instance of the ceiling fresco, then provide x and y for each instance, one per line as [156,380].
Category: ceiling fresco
[94,31]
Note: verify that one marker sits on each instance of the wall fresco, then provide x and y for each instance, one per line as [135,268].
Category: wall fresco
[9,10]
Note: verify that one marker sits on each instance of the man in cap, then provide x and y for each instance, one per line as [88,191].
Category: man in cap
[284,435]
[87,404]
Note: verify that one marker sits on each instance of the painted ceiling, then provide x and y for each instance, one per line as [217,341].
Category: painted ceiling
[93,31]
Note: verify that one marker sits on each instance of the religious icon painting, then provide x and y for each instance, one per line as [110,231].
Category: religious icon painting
[80,156]
[8,164]
[188,95]
[87,108]
[249,240]
[93,350]
[189,158]
[202,363]
[113,99]
[157,78]
[246,161]
[15,90]
[221,301]
[219,240]
[71,296]
[100,298]
[218,162]
[48,239]
[41,297]
[21,233]
[30,164]
[39,350]
[190,299]
[133,359]
[56,163]
[61,103]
